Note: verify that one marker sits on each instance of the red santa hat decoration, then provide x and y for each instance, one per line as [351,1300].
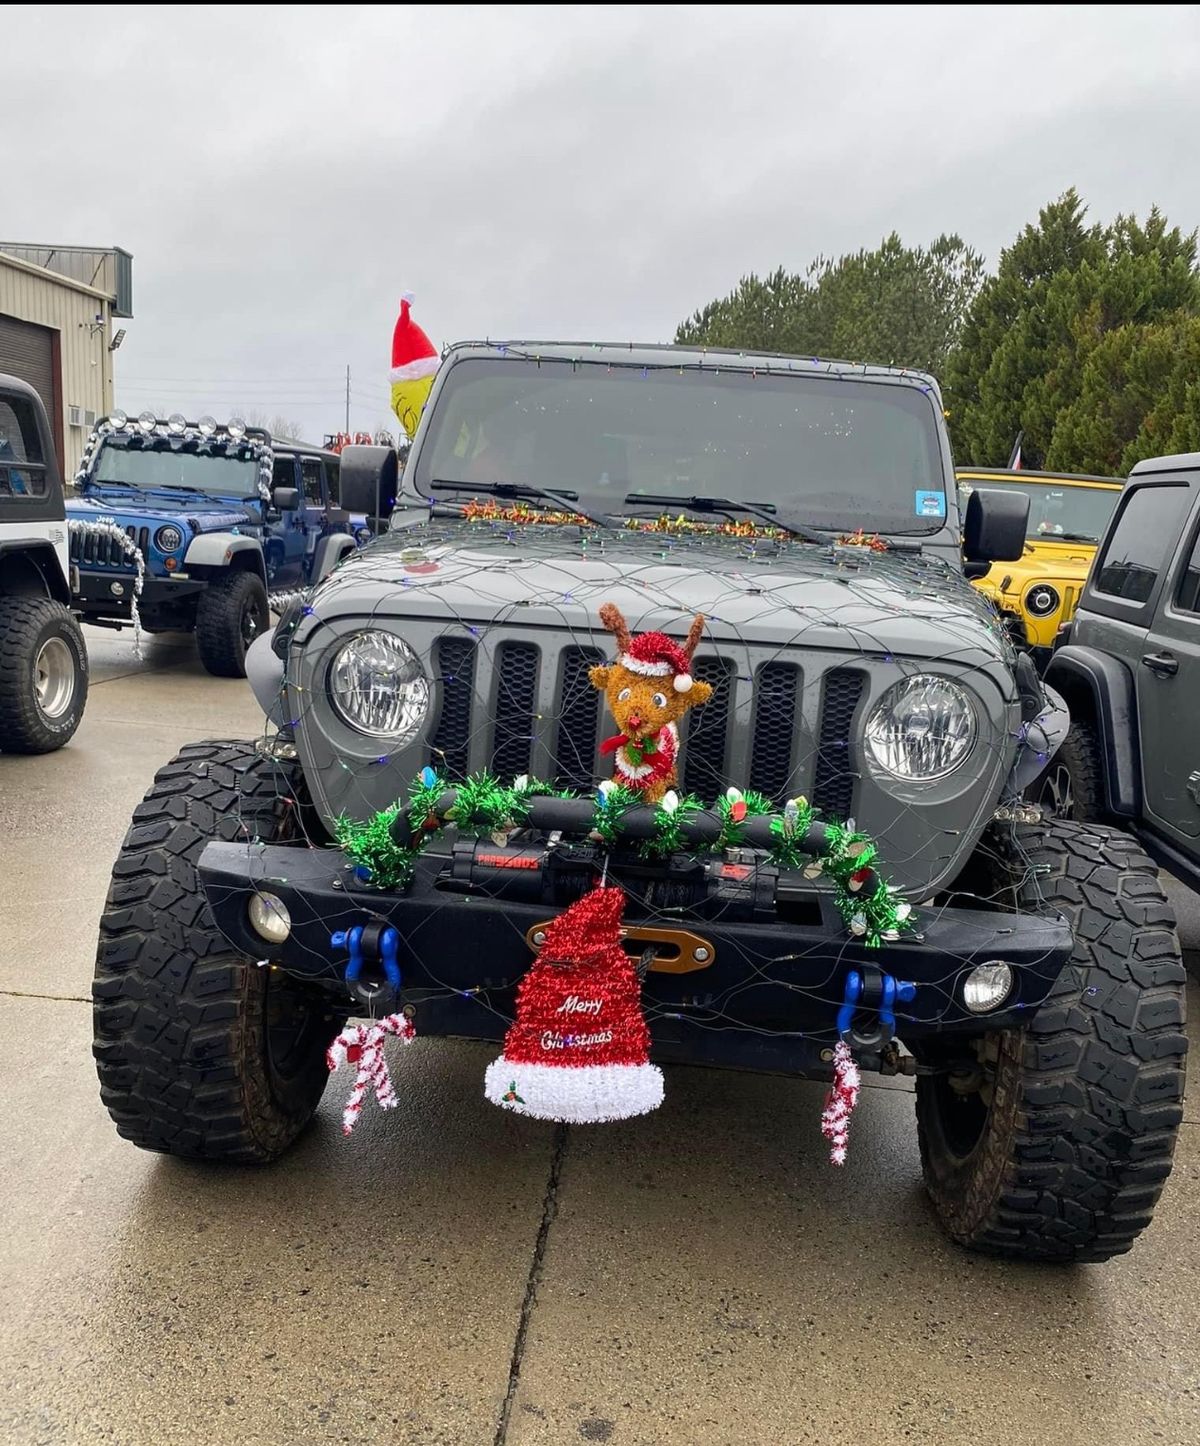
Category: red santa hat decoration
[414,366]
[579,1049]
[654,655]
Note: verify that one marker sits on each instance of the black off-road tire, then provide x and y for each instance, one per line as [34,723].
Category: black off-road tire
[37,716]
[1072,787]
[202,1053]
[1067,1160]
[233,610]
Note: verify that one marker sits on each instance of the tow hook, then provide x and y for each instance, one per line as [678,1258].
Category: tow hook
[869,989]
[369,945]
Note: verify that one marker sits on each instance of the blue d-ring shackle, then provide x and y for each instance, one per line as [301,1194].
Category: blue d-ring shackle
[389,955]
[895,991]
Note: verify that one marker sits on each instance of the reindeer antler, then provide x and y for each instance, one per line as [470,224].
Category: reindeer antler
[610,616]
[694,632]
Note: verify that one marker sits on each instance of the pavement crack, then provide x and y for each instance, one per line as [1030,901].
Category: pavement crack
[532,1281]
[57,998]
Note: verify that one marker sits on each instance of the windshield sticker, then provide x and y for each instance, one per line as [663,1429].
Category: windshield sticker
[931,504]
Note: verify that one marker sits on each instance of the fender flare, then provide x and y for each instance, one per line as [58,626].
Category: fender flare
[329,552]
[42,559]
[1102,687]
[218,549]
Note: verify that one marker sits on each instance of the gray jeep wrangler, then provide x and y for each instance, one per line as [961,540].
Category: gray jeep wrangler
[1036,990]
[1129,666]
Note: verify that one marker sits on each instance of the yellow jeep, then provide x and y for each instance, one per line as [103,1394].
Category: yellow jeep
[1067,518]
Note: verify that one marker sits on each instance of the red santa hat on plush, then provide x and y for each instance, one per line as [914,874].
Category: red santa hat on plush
[654,655]
[414,365]
[579,1049]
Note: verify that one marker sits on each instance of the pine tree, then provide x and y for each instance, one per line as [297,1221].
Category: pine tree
[1060,291]
[897,305]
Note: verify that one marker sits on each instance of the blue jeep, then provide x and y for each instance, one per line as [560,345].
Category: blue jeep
[208,519]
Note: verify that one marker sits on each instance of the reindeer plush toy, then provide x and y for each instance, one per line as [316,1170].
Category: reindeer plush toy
[649,688]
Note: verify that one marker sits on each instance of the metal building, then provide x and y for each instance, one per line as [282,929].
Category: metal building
[56,309]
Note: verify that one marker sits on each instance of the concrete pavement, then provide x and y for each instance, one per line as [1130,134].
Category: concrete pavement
[452,1274]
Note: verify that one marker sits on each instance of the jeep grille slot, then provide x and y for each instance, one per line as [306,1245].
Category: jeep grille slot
[451,740]
[707,731]
[578,711]
[833,783]
[75,546]
[516,694]
[776,690]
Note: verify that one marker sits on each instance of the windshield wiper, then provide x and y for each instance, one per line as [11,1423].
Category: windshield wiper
[522,491]
[727,505]
[1070,537]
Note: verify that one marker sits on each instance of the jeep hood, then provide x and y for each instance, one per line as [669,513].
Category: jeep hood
[788,593]
[132,511]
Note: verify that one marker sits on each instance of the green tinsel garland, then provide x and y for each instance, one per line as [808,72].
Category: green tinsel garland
[668,824]
[484,805]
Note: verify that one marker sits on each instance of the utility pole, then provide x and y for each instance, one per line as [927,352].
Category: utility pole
[347,399]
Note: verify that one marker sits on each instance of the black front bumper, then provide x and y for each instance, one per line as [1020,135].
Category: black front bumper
[768,996]
[163,601]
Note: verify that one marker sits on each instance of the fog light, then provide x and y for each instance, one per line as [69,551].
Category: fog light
[117,589]
[269,918]
[987,986]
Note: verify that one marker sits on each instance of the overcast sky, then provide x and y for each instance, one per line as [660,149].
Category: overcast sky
[281,175]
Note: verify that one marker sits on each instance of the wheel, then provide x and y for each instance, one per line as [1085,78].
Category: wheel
[1054,1141]
[43,675]
[1073,784]
[200,1052]
[231,613]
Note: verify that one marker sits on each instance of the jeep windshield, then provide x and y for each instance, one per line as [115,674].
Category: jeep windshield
[1065,514]
[149,469]
[828,451]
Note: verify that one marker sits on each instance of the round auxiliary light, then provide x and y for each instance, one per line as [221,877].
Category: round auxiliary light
[269,917]
[118,420]
[207,426]
[922,728]
[987,986]
[236,428]
[147,422]
[168,538]
[378,687]
[177,424]
[1042,599]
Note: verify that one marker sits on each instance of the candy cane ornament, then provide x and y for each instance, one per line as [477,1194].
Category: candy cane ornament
[840,1102]
[363,1045]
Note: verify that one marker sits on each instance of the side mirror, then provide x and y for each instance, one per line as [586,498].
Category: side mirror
[995,525]
[369,482]
[285,499]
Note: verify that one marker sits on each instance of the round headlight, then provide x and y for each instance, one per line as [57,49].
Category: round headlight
[922,728]
[118,420]
[177,424]
[206,426]
[147,422]
[236,427]
[168,538]
[377,685]
[363,536]
[1042,599]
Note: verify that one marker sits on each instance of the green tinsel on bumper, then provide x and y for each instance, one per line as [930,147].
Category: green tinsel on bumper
[872,911]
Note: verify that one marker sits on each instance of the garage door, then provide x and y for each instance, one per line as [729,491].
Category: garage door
[27,351]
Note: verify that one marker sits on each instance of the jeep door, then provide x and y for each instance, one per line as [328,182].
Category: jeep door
[1169,687]
[1146,580]
[284,547]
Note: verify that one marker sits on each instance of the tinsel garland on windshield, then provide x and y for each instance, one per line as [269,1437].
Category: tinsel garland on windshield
[483,806]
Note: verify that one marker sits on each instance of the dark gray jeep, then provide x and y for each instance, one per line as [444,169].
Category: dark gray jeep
[808,510]
[1129,666]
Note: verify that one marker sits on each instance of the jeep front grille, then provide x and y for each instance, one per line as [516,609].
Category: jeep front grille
[833,783]
[91,549]
[529,708]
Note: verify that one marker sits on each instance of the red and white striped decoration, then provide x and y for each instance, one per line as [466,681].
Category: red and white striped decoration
[840,1102]
[362,1045]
